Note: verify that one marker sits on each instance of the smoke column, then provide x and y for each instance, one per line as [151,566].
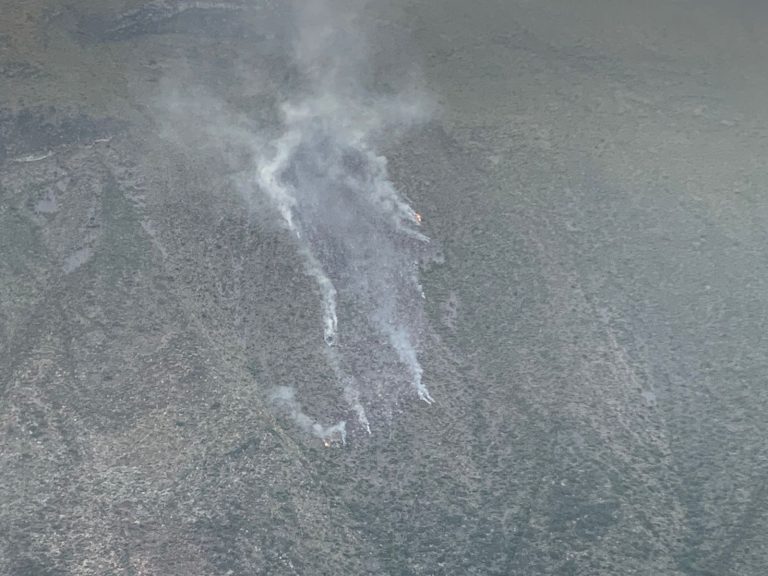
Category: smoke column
[357,236]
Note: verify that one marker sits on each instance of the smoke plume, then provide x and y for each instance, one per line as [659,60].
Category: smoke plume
[325,179]
[354,232]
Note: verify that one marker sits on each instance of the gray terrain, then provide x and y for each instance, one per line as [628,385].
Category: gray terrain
[569,378]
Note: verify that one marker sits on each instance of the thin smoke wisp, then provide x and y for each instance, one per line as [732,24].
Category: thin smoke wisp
[357,237]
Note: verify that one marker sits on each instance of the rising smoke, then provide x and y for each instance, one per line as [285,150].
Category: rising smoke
[326,181]
[354,232]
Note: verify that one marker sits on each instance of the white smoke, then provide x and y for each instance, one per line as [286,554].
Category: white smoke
[323,173]
[350,388]
[284,397]
[332,191]
[403,345]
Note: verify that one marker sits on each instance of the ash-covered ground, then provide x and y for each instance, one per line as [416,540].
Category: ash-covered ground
[584,298]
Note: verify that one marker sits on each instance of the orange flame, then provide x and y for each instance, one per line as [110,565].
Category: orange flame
[418,217]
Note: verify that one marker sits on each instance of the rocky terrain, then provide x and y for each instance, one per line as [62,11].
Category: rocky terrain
[592,332]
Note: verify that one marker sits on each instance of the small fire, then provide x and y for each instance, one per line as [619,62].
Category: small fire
[418,217]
